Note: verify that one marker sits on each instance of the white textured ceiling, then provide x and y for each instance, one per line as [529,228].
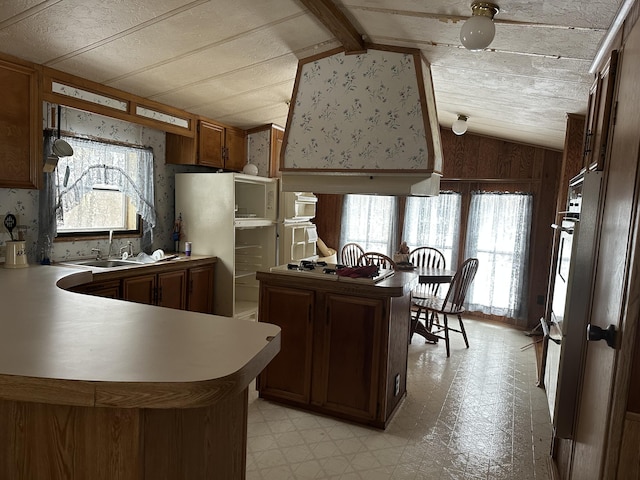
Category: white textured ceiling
[235,61]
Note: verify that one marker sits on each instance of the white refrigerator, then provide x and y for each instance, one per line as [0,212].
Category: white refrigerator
[233,217]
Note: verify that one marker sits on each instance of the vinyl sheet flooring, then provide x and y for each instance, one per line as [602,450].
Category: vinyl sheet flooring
[475,415]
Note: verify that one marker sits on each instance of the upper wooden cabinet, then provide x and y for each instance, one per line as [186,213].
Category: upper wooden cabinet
[215,146]
[20,126]
[210,145]
[599,115]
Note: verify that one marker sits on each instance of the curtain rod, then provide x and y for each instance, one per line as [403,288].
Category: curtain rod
[101,140]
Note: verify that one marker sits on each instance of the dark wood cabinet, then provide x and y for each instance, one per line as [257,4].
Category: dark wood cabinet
[200,289]
[215,146]
[599,115]
[235,152]
[109,289]
[343,350]
[20,126]
[210,145]
[288,376]
[174,286]
[351,355]
[166,289]
[172,289]
[140,289]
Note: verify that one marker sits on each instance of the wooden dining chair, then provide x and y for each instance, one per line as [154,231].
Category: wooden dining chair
[350,254]
[429,257]
[379,259]
[451,304]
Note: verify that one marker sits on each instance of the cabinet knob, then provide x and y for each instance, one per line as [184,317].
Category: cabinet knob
[596,333]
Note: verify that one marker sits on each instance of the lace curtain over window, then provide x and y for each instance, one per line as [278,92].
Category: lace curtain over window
[434,222]
[498,235]
[371,221]
[129,169]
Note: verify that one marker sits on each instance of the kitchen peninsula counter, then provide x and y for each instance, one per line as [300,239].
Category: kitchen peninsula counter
[344,343]
[98,388]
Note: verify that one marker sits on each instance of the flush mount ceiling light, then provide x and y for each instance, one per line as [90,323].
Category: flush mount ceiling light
[459,127]
[478,31]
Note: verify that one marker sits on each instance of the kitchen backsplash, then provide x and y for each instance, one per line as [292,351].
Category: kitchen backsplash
[24,203]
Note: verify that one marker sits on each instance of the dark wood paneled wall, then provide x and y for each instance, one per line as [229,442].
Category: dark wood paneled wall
[473,162]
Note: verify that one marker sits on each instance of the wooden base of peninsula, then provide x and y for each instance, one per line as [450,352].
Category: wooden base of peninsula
[344,345]
[56,442]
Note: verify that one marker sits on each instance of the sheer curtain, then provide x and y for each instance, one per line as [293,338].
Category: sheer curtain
[128,168]
[434,222]
[371,221]
[498,235]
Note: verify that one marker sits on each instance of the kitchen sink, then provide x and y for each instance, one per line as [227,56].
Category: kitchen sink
[104,263]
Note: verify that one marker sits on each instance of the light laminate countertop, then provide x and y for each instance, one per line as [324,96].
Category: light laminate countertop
[58,346]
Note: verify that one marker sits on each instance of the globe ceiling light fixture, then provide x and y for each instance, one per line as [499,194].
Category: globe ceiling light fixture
[478,31]
[459,127]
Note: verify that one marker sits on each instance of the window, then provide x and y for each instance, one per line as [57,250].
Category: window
[498,236]
[104,187]
[370,220]
[434,222]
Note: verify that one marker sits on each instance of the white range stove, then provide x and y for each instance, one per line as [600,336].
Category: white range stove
[327,271]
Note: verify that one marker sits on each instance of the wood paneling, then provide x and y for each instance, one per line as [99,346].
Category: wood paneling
[57,442]
[329,219]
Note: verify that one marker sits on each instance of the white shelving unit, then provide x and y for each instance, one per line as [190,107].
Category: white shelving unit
[298,237]
[232,216]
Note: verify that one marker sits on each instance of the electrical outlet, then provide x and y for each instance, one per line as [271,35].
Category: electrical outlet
[396,387]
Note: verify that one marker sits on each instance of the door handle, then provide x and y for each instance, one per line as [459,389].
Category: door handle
[595,333]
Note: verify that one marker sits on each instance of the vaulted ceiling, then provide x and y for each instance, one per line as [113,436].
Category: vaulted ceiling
[235,61]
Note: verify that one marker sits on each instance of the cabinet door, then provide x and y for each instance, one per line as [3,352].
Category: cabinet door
[210,144]
[351,356]
[110,289]
[200,289]
[288,376]
[140,289]
[172,289]
[20,127]
[277,137]
[235,149]
[599,114]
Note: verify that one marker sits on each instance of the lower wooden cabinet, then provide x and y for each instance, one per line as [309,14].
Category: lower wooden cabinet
[351,355]
[166,289]
[109,289]
[200,289]
[181,288]
[288,376]
[333,350]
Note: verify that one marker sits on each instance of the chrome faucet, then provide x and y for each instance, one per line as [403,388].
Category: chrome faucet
[110,243]
[98,253]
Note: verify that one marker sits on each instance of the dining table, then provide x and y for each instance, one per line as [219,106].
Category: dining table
[430,275]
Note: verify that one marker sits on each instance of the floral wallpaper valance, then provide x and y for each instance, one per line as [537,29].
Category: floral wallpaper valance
[362,112]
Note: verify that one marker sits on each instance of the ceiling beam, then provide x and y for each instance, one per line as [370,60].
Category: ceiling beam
[337,23]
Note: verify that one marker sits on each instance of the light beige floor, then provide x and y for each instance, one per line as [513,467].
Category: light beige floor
[475,415]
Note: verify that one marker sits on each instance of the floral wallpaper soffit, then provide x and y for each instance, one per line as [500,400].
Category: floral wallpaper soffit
[363,112]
